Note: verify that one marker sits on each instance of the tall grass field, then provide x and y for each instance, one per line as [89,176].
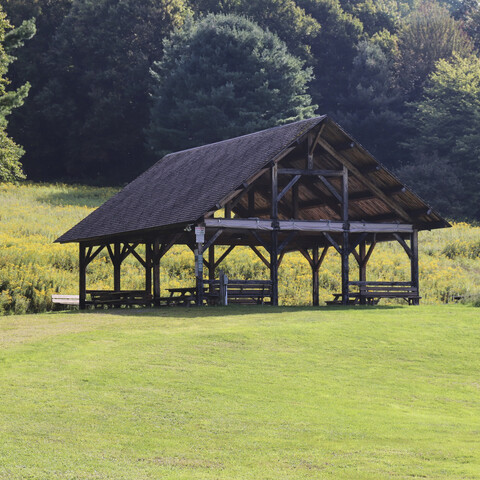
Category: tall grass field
[32,267]
[241,393]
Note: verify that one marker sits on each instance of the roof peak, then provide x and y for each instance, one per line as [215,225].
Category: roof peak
[258,132]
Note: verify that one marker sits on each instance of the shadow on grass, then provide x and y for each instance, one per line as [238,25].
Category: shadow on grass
[196,312]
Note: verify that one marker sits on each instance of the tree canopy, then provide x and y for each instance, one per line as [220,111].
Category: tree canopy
[220,77]
[447,121]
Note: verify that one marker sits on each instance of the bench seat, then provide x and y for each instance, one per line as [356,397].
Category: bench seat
[372,292]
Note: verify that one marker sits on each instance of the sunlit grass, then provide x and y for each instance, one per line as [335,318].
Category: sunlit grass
[241,393]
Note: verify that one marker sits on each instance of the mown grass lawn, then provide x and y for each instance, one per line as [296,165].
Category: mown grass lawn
[241,393]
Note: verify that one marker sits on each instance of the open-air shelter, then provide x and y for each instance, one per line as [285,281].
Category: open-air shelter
[306,186]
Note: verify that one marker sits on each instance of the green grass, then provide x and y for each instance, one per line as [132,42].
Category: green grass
[241,393]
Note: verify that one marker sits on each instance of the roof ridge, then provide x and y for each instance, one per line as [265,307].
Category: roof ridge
[318,117]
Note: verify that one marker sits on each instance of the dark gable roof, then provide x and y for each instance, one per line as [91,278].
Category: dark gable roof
[183,186]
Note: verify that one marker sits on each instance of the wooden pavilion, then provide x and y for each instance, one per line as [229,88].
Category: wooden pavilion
[305,186]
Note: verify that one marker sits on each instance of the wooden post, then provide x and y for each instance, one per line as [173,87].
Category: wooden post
[117,263]
[82,283]
[156,272]
[362,268]
[222,288]
[211,263]
[414,263]
[199,273]
[148,268]
[315,280]
[346,242]
[274,237]
[295,201]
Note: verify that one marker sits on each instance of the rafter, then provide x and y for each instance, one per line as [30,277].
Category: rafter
[364,179]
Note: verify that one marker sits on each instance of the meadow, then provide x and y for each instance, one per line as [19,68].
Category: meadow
[32,267]
[260,393]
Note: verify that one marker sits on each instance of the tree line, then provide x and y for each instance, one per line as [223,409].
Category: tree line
[115,84]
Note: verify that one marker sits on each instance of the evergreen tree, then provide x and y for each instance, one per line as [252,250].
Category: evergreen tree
[220,77]
[333,51]
[93,110]
[286,18]
[10,39]
[372,110]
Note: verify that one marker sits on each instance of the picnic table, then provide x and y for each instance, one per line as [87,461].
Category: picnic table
[181,296]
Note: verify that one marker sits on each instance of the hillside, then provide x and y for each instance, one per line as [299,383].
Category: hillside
[241,393]
[32,267]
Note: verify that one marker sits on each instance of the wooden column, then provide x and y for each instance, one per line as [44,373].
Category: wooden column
[199,273]
[274,237]
[346,240]
[148,268]
[211,263]
[117,264]
[362,267]
[414,263]
[315,280]
[82,281]
[156,272]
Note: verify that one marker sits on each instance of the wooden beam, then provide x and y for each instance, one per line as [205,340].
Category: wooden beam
[260,256]
[167,246]
[260,241]
[82,280]
[295,201]
[315,278]
[315,142]
[402,242]
[253,225]
[311,173]
[156,271]
[331,188]
[224,255]
[365,180]
[90,257]
[368,195]
[360,239]
[274,266]
[305,253]
[345,196]
[289,238]
[414,263]
[345,146]
[345,268]
[211,263]
[213,239]
[369,253]
[334,244]
[290,184]
[117,265]
[148,268]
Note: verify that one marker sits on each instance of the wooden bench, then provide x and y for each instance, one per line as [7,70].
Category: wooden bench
[371,293]
[65,299]
[120,298]
[242,291]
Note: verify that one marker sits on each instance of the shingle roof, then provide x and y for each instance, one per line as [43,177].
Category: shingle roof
[183,186]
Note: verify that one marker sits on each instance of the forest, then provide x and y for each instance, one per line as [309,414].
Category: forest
[95,91]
